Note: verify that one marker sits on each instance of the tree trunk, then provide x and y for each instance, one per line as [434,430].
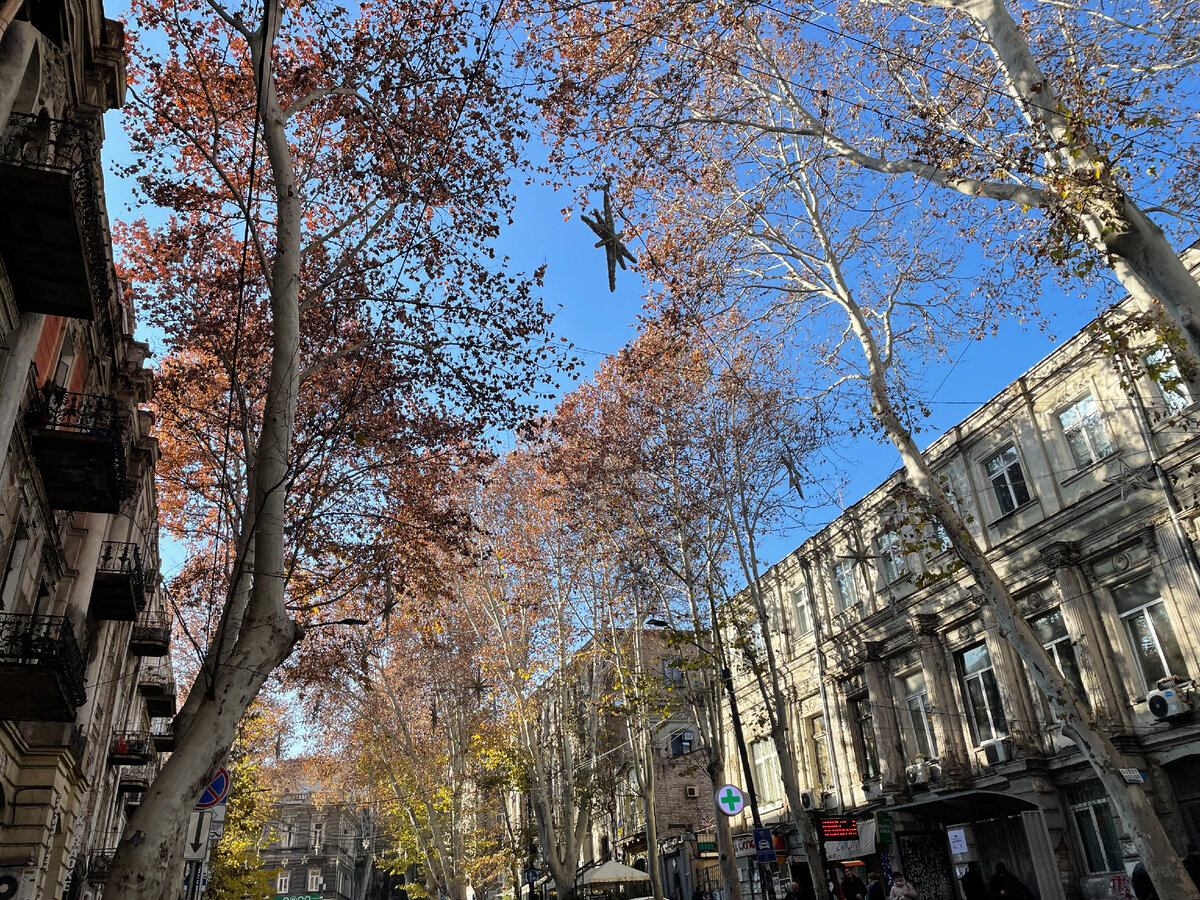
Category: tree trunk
[148,861]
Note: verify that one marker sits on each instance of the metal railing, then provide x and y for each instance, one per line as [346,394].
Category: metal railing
[44,641]
[152,627]
[131,743]
[71,147]
[124,559]
[99,864]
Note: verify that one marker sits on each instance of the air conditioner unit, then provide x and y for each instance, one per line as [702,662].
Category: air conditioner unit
[919,773]
[812,800]
[692,791]
[1170,699]
[994,751]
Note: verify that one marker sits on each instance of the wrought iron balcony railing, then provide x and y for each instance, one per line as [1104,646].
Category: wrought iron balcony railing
[130,748]
[41,668]
[151,635]
[119,590]
[55,249]
[163,731]
[78,442]
[134,779]
[99,864]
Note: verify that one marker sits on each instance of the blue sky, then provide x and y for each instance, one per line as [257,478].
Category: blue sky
[598,322]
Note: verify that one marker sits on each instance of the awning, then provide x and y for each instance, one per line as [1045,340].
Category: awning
[965,806]
[613,872]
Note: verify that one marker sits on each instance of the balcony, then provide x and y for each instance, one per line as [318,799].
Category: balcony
[99,862]
[52,234]
[132,802]
[119,591]
[163,732]
[151,635]
[134,780]
[41,669]
[77,441]
[130,748]
[157,685]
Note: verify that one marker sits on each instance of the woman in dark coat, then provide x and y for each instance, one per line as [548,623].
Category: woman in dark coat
[1007,886]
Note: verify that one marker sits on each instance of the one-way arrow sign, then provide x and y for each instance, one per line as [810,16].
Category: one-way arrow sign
[195,842]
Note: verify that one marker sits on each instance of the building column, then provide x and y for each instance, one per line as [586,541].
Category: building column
[1011,678]
[1045,864]
[1178,581]
[947,717]
[1093,649]
[18,51]
[883,716]
[22,342]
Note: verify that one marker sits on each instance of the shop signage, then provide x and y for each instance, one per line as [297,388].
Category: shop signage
[883,827]
[958,840]
[1134,776]
[862,845]
[838,829]
[297,897]
[706,845]
[744,846]
[730,800]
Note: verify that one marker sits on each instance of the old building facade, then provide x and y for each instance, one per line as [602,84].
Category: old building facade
[929,734]
[87,690]
[318,851]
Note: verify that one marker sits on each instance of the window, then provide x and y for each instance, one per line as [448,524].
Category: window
[314,879]
[1094,822]
[1084,431]
[820,751]
[891,556]
[756,645]
[1008,481]
[1051,630]
[868,753]
[802,609]
[845,584]
[283,882]
[920,717]
[289,835]
[983,694]
[1149,628]
[681,742]
[672,672]
[318,835]
[1169,383]
[767,781]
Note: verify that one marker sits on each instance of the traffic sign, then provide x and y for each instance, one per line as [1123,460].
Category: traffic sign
[217,790]
[730,800]
[195,841]
[764,845]
[531,875]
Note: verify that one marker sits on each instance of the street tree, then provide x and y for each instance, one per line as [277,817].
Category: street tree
[334,179]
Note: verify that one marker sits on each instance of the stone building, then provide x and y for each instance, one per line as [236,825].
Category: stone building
[930,734]
[319,851]
[86,689]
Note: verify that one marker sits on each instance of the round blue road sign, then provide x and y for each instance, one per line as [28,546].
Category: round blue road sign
[217,790]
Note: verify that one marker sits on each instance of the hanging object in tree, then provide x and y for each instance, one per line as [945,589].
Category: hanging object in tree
[610,239]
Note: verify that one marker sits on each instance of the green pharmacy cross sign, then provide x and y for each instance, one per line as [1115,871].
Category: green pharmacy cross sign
[730,800]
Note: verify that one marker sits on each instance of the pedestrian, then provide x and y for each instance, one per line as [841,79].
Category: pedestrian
[793,892]
[902,888]
[973,885]
[875,887]
[1007,886]
[852,886]
[1191,862]
[1143,887]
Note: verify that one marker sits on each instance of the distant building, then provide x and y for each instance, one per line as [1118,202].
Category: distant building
[931,736]
[320,851]
[87,693]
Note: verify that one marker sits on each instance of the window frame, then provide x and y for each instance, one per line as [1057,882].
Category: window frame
[283,882]
[987,694]
[768,778]
[1142,611]
[314,879]
[1167,368]
[1055,648]
[866,747]
[1009,484]
[1096,812]
[925,709]
[893,561]
[850,568]
[802,610]
[818,736]
[1080,427]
